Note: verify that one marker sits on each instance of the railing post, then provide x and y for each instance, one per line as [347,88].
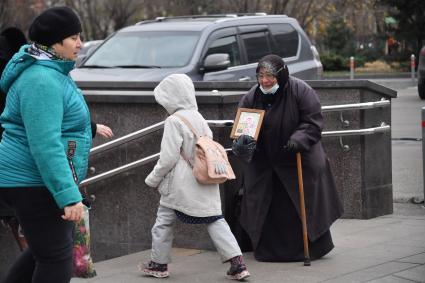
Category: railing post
[412,66]
[351,68]
[423,148]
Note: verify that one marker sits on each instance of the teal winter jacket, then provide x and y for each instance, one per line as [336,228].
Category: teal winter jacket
[44,110]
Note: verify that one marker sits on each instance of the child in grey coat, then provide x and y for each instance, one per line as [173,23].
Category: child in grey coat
[182,197]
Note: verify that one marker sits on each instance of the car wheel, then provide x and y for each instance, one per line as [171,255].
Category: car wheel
[421,89]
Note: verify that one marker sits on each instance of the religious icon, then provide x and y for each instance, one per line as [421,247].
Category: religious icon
[247,122]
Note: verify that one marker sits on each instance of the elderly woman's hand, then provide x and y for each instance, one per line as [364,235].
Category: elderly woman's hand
[74,212]
[291,146]
[244,147]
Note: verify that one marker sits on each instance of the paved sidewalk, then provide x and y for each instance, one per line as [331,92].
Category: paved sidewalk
[386,249]
[407,174]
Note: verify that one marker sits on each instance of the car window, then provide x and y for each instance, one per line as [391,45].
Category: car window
[160,49]
[88,45]
[84,50]
[256,45]
[286,40]
[227,45]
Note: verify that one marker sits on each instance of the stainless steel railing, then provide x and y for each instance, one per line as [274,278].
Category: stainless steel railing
[140,162]
[119,170]
[361,132]
[146,131]
[228,123]
[357,106]
[127,138]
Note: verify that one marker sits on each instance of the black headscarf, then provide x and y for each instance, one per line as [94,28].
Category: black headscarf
[275,65]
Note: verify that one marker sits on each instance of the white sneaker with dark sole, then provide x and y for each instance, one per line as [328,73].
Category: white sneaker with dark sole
[154,269]
[239,276]
[156,274]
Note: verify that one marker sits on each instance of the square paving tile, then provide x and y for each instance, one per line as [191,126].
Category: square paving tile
[416,274]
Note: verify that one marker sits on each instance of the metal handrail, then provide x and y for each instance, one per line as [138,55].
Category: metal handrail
[361,132]
[146,131]
[120,169]
[381,129]
[227,123]
[127,138]
[357,106]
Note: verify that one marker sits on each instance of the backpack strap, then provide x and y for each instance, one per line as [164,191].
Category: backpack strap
[184,120]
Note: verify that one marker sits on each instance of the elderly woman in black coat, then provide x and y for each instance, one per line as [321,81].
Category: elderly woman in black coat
[270,212]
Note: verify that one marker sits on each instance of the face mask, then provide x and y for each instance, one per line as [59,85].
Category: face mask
[271,90]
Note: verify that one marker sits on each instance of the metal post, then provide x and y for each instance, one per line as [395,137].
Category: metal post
[412,66]
[423,147]
[351,68]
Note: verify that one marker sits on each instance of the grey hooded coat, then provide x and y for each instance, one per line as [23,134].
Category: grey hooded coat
[172,174]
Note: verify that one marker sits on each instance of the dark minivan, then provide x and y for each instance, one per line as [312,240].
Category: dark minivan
[206,48]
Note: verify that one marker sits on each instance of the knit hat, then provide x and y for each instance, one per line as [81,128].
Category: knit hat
[54,25]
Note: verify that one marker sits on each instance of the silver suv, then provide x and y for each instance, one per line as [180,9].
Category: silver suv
[206,48]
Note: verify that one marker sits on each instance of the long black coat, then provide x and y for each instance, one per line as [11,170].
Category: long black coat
[296,114]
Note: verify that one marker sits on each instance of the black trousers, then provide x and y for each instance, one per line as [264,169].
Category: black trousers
[48,258]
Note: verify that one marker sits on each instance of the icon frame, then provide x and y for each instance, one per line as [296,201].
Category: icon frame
[248,121]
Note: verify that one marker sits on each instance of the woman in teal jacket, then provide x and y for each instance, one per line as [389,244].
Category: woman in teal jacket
[46,121]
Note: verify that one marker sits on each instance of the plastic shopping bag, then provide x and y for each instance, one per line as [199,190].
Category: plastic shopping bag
[82,261]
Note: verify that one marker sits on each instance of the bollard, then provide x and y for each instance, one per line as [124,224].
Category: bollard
[423,148]
[351,68]
[412,67]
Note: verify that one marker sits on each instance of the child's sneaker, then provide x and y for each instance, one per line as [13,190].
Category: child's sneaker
[237,269]
[154,269]
[238,272]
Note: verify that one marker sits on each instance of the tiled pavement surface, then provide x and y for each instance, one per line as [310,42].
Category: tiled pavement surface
[385,249]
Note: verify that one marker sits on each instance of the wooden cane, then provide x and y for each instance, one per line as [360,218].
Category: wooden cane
[302,209]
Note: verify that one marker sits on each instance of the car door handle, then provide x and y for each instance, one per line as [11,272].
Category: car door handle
[245,79]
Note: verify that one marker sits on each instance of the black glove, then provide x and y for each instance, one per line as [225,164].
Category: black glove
[244,147]
[291,146]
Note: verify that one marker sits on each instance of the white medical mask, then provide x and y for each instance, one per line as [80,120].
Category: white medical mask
[271,90]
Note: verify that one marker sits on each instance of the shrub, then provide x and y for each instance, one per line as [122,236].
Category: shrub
[359,61]
[370,54]
[334,62]
[400,60]
[339,37]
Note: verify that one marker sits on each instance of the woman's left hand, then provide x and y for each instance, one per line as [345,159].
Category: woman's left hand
[74,212]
